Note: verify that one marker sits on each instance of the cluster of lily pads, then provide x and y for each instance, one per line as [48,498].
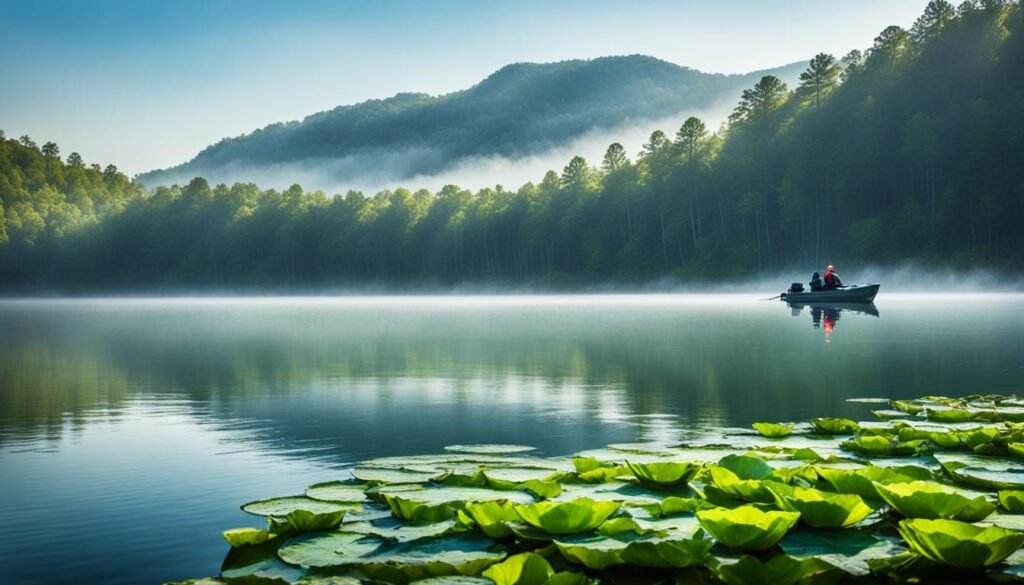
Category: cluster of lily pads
[933,488]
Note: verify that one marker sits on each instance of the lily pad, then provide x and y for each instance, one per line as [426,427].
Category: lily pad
[664,474]
[928,499]
[489,449]
[288,504]
[983,471]
[328,549]
[596,552]
[579,515]
[820,509]
[668,553]
[447,495]
[773,430]
[397,531]
[779,570]
[746,527]
[834,426]
[848,550]
[522,569]
[399,475]
[959,544]
[1012,501]
[338,491]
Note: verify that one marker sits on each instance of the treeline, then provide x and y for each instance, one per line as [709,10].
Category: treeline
[911,150]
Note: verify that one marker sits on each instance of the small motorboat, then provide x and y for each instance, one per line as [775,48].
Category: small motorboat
[854,293]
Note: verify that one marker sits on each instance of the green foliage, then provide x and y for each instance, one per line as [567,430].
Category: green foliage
[664,475]
[247,536]
[959,544]
[1012,501]
[773,430]
[668,554]
[820,509]
[779,570]
[281,507]
[628,529]
[304,521]
[492,517]
[927,499]
[862,482]
[579,515]
[834,426]
[521,569]
[747,527]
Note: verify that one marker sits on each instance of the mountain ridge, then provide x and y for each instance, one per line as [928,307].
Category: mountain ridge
[518,110]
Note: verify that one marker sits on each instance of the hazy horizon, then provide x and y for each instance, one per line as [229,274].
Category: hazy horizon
[146,87]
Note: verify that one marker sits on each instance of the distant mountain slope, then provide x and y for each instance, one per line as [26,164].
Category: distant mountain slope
[522,109]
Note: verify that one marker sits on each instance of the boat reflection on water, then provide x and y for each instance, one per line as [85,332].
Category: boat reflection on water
[825,315]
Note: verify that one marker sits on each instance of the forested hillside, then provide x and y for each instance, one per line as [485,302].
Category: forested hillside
[912,150]
[522,109]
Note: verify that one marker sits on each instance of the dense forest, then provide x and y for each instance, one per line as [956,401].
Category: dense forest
[522,109]
[912,150]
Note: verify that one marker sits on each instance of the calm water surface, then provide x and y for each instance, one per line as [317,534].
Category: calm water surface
[131,430]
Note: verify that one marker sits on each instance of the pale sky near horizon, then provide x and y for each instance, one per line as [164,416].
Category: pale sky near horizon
[145,85]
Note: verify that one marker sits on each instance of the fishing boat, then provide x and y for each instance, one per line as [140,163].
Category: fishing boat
[854,293]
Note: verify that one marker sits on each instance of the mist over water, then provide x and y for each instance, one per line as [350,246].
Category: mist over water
[372,171]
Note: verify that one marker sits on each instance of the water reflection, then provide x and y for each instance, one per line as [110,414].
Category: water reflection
[825,316]
[176,411]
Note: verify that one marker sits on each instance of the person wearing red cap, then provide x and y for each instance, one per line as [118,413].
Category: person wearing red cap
[832,280]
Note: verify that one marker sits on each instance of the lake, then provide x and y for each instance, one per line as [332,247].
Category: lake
[132,429]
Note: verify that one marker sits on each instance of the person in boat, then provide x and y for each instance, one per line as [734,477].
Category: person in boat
[816,283]
[832,280]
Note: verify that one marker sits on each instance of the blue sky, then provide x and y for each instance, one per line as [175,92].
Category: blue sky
[147,84]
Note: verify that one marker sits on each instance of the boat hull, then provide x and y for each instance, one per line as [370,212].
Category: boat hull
[856,293]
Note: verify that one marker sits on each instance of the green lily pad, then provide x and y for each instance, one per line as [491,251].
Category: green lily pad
[247,536]
[982,471]
[447,495]
[469,554]
[397,531]
[338,491]
[288,504]
[862,481]
[674,526]
[820,509]
[928,499]
[747,527]
[399,475]
[834,426]
[519,474]
[328,549]
[489,449]
[668,553]
[258,564]
[848,550]
[579,515]
[958,544]
[492,517]
[666,474]
[522,569]
[779,570]
[626,493]
[595,552]
[773,430]
[1012,500]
